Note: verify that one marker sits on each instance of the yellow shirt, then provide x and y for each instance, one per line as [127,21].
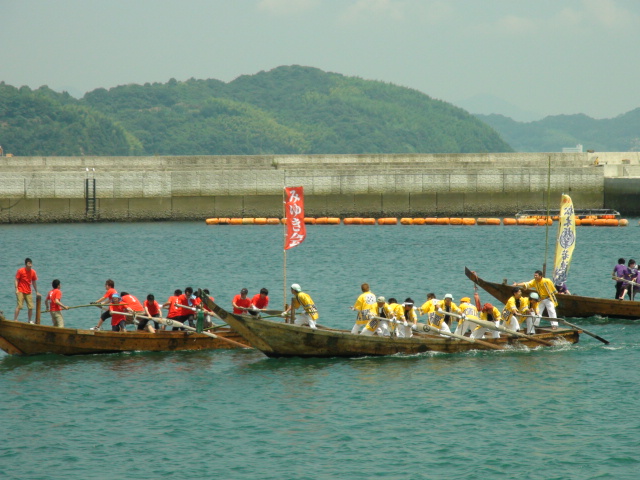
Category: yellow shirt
[469,310]
[303,300]
[510,308]
[440,316]
[545,288]
[365,304]
[428,306]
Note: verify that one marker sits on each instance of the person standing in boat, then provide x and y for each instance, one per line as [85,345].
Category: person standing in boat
[547,292]
[630,277]
[110,289]
[309,314]
[54,304]
[25,277]
[365,304]
[618,274]
[183,303]
[469,311]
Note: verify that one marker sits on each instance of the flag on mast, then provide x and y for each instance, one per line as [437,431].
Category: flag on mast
[566,240]
[294,212]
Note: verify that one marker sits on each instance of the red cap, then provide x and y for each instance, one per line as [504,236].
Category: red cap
[486,307]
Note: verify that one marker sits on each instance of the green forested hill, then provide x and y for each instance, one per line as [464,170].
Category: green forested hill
[43,122]
[287,110]
[551,134]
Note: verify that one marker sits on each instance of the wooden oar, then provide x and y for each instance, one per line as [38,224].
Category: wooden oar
[562,320]
[174,323]
[491,326]
[89,305]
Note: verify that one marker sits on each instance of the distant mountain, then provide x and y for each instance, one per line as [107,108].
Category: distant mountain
[553,133]
[291,109]
[44,122]
[490,104]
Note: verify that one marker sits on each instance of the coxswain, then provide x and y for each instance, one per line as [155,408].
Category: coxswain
[469,312]
[110,289]
[365,304]
[547,292]
[25,277]
[54,304]
[309,314]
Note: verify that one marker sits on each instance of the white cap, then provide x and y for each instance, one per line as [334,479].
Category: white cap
[534,296]
[296,287]
[448,295]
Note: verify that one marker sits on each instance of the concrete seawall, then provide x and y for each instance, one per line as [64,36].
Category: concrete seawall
[53,189]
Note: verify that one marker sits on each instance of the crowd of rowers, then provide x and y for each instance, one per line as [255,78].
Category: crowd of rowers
[182,307]
[379,316]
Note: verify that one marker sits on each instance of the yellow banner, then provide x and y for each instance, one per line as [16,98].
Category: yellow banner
[566,240]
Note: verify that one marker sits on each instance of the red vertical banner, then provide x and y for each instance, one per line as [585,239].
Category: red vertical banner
[294,210]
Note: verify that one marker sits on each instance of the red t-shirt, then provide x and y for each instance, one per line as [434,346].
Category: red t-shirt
[152,307]
[173,310]
[260,302]
[110,293]
[116,318]
[133,303]
[241,302]
[52,296]
[25,278]
[182,300]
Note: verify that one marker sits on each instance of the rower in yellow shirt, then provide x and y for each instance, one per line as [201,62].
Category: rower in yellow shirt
[365,305]
[546,291]
[514,310]
[310,312]
[469,312]
[446,306]
[379,324]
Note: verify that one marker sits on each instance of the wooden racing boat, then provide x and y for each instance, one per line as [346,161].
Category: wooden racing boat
[20,338]
[568,305]
[277,339]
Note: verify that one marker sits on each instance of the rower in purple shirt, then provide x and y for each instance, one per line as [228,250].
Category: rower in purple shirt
[618,274]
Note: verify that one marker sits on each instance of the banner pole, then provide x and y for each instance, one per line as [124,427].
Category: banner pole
[284,247]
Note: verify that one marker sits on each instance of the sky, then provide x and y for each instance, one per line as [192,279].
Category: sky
[521,58]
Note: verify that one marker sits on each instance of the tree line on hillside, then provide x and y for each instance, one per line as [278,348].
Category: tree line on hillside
[288,110]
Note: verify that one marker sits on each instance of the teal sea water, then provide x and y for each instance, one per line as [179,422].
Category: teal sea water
[562,413]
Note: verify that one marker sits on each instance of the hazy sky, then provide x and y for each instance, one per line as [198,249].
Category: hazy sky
[542,56]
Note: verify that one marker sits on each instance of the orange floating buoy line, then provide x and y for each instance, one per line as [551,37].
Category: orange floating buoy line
[526,221]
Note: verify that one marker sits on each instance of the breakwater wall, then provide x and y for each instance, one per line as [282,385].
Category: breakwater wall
[67,189]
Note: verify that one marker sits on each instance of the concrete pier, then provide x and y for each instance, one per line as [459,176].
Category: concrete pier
[54,189]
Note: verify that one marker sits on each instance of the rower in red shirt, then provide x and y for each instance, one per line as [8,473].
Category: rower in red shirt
[241,303]
[109,286]
[118,321]
[260,301]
